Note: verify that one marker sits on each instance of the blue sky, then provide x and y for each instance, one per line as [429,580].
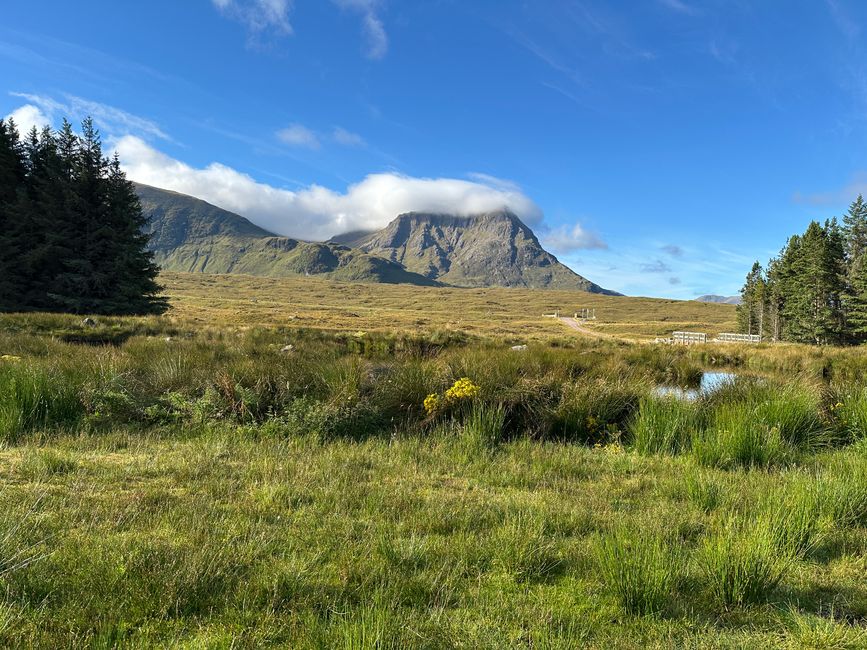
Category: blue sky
[658,147]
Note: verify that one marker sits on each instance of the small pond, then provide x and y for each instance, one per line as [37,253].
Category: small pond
[710,381]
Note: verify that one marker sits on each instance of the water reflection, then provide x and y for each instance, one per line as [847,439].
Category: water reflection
[710,381]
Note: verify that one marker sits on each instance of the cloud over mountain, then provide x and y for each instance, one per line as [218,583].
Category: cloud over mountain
[316,212]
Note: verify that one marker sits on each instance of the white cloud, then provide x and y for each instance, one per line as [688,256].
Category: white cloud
[317,213]
[371,24]
[27,117]
[347,138]
[566,239]
[259,15]
[108,118]
[298,135]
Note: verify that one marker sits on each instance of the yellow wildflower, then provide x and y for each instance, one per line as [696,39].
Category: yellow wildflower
[463,388]
[10,358]
[431,402]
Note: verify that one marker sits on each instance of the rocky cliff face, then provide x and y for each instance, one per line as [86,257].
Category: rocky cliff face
[492,249]
[194,236]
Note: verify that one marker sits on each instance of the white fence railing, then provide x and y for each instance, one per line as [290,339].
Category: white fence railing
[729,337]
[688,338]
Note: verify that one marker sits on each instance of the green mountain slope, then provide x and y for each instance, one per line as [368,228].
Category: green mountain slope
[194,236]
[492,249]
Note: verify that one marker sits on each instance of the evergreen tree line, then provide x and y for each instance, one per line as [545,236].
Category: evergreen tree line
[815,291]
[71,224]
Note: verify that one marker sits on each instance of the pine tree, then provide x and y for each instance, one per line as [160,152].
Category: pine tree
[751,311]
[13,172]
[813,287]
[132,264]
[856,317]
[855,296]
[71,227]
[855,223]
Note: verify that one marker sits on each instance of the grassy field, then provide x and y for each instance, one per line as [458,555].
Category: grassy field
[509,314]
[192,481]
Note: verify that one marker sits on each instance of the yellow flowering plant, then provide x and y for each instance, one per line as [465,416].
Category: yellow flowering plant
[464,389]
[431,403]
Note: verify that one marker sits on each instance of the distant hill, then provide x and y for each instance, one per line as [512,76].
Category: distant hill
[491,249]
[723,300]
[194,236]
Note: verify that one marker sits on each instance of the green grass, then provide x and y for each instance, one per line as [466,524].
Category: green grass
[664,425]
[217,490]
[639,569]
[743,563]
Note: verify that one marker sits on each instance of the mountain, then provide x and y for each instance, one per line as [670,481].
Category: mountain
[723,300]
[490,249]
[188,234]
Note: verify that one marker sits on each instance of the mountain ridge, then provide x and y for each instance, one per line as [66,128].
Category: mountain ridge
[719,300]
[191,235]
[489,249]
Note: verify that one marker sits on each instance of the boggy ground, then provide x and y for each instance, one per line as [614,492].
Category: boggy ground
[165,483]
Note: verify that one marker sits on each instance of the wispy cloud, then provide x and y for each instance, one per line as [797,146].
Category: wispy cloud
[679,6]
[845,23]
[347,138]
[672,249]
[568,239]
[259,16]
[264,17]
[376,38]
[657,266]
[110,119]
[843,195]
[298,135]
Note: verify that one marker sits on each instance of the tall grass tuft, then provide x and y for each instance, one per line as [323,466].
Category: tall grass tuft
[33,396]
[638,568]
[743,565]
[705,492]
[483,426]
[736,439]
[663,425]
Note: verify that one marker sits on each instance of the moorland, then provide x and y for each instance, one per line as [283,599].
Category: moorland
[301,463]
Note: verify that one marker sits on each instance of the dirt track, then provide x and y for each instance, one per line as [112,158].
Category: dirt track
[576,325]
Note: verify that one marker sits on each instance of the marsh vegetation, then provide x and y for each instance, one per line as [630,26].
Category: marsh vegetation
[164,483]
